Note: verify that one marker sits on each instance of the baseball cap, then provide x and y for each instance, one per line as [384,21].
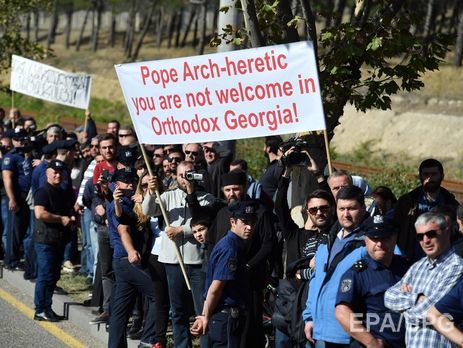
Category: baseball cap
[126,175]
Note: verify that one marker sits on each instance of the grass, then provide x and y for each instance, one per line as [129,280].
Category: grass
[74,285]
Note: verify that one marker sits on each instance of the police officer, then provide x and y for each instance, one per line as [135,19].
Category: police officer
[16,173]
[227,284]
[360,300]
[131,276]
[54,213]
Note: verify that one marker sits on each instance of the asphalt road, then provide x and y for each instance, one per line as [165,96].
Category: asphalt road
[18,329]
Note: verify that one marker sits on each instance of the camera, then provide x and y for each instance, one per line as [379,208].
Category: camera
[191,175]
[106,175]
[296,158]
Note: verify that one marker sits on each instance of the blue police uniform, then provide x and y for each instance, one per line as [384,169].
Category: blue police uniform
[228,262]
[452,303]
[362,288]
[17,222]
[130,278]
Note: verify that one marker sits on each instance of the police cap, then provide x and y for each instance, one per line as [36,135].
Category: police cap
[379,227]
[19,133]
[245,210]
[56,165]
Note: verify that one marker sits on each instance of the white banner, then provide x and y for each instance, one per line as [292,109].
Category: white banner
[232,95]
[46,82]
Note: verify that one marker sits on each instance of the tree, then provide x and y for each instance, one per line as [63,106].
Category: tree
[363,60]
[11,39]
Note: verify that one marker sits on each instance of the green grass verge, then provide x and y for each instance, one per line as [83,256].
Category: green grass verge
[46,112]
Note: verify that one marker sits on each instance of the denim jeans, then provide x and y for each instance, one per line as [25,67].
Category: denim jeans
[94,244]
[180,299]
[49,260]
[105,257]
[224,331]
[30,267]
[130,278]
[281,339]
[86,256]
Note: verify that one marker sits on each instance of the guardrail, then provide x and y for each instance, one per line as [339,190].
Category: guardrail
[454,186]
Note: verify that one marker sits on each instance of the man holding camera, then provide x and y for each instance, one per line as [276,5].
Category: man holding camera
[177,205]
[16,172]
[107,147]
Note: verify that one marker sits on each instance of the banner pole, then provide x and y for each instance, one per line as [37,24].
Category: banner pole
[12,106]
[166,219]
[327,148]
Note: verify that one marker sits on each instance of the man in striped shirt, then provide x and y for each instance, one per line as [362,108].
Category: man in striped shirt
[426,282]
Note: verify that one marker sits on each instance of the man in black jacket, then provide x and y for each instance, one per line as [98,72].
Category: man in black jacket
[53,211]
[418,201]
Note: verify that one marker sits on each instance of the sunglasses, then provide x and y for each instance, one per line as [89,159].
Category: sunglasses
[194,153]
[429,234]
[94,146]
[175,159]
[157,155]
[323,209]
[124,135]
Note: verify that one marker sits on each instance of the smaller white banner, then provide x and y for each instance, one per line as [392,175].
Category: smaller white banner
[48,83]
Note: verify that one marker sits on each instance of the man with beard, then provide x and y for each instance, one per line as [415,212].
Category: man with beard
[300,245]
[418,201]
[177,205]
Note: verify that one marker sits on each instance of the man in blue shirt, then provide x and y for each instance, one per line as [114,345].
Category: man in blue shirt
[228,291]
[360,301]
[16,173]
[344,246]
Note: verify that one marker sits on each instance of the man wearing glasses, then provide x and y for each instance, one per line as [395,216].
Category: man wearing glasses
[174,158]
[426,282]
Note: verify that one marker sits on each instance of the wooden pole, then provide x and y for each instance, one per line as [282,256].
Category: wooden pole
[327,148]
[12,106]
[166,220]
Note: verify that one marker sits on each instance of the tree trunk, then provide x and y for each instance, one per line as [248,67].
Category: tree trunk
[195,33]
[36,25]
[430,21]
[215,19]
[459,44]
[69,12]
[252,23]
[188,26]
[130,30]
[179,27]
[310,24]
[112,29]
[329,10]
[160,27]
[454,19]
[53,25]
[28,26]
[144,31]
[203,21]
[99,6]
[443,18]
[170,34]
[82,30]
[285,14]
[339,12]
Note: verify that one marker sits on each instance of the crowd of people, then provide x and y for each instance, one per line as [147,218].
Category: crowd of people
[185,235]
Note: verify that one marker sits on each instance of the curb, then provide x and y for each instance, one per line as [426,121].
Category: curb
[76,313]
